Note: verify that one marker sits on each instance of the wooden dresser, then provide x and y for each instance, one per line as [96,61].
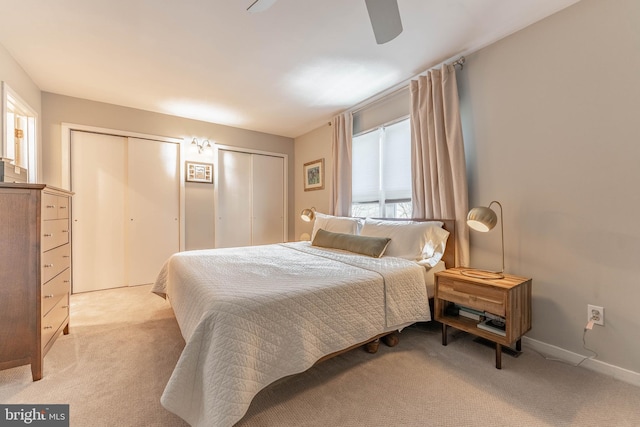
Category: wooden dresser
[35,272]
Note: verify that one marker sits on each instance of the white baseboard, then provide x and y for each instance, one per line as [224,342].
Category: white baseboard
[554,352]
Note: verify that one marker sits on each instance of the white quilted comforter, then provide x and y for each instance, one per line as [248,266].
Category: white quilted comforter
[253,315]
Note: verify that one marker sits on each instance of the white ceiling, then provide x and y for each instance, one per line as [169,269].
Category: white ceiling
[284,71]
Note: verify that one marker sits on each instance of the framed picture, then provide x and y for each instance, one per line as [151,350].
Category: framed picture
[199,172]
[314,175]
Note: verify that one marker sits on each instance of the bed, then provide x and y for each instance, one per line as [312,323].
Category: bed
[253,315]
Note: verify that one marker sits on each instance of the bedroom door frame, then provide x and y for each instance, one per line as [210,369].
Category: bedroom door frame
[65,170]
[285,160]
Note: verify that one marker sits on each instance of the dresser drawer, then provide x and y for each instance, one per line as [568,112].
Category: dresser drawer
[49,206]
[55,289]
[55,233]
[63,207]
[479,297]
[55,262]
[53,321]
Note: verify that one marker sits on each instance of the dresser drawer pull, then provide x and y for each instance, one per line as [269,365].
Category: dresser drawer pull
[65,231]
[48,327]
[66,281]
[48,296]
[48,234]
[48,265]
[66,256]
[64,307]
[63,207]
[51,206]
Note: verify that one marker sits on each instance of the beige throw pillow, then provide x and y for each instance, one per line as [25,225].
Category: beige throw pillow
[371,246]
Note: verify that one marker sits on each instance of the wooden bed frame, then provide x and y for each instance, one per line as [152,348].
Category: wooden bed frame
[391,339]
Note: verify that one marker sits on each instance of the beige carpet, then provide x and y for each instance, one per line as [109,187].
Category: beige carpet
[124,343]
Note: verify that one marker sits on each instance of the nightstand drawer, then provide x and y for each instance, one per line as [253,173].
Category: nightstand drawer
[480,297]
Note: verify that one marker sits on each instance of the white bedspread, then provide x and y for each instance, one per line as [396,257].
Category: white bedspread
[253,315]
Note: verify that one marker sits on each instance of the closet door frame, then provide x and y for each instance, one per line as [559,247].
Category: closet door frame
[65,173]
[285,159]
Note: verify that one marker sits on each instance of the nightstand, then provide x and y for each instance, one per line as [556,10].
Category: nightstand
[508,298]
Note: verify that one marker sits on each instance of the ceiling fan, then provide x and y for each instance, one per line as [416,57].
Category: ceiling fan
[383,14]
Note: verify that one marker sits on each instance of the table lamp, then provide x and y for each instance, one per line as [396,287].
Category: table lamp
[483,219]
[307,215]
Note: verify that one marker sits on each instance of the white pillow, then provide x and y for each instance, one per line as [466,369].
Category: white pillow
[336,224]
[417,241]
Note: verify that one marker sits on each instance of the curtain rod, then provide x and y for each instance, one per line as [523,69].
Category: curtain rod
[381,96]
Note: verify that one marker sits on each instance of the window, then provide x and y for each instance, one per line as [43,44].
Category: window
[381,172]
[18,140]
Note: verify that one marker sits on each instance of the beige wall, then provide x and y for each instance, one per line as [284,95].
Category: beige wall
[550,117]
[199,200]
[550,124]
[309,147]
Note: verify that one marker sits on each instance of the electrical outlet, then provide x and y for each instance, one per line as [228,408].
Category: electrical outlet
[595,313]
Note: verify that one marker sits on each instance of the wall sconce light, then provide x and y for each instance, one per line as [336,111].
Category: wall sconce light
[202,146]
[483,219]
[308,215]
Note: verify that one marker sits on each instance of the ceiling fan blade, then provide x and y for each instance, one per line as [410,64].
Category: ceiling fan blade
[260,5]
[385,19]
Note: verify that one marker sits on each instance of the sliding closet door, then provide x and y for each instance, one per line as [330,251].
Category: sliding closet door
[268,200]
[153,216]
[126,209]
[250,205]
[233,211]
[99,174]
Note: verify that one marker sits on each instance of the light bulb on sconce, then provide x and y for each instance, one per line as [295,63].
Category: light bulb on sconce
[202,146]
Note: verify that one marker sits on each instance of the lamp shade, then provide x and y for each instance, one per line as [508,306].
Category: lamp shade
[482,219]
[307,215]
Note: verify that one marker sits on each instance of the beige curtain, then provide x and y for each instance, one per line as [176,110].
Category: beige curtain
[341,151]
[439,175]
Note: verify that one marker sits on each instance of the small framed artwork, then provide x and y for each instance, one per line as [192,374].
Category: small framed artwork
[199,172]
[314,175]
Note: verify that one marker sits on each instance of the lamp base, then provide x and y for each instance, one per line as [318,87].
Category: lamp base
[482,274]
